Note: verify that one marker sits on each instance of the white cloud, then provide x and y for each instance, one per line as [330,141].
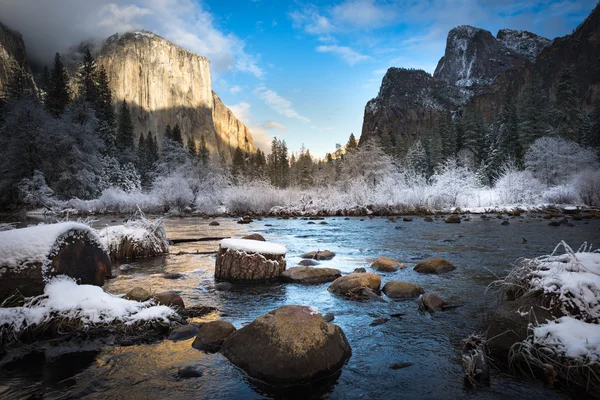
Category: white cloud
[262,139]
[363,14]
[279,103]
[235,89]
[69,22]
[347,54]
[273,126]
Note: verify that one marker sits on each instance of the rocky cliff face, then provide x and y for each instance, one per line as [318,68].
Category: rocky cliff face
[12,47]
[477,69]
[166,84]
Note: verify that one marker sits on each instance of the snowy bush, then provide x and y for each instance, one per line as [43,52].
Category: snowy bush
[518,187]
[564,194]
[254,197]
[587,183]
[35,192]
[452,183]
[554,160]
[173,192]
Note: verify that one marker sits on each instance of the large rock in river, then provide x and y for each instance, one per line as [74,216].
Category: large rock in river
[384,264]
[434,266]
[287,346]
[402,290]
[319,255]
[309,275]
[244,260]
[211,335]
[345,284]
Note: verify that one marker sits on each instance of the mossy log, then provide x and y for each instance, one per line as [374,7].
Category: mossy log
[240,266]
[29,257]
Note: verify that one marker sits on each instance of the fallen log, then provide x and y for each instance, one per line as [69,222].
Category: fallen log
[29,257]
[243,260]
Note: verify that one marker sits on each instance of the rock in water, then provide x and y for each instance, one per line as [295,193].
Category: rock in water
[308,263]
[400,365]
[211,335]
[138,294]
[359,270]
[214,223]
[384,264]
[319,255]
[434,266]
[379,321]
[255,236]
[183,332]
[402,290]
[307,275]
[328,317]
[169,299]
[189,372]
[431,302]
[345,284]
[287,346]
[243,260]
[453,219]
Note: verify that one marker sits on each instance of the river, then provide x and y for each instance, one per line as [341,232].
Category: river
[481,248]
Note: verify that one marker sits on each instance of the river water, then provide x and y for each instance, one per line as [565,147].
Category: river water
[480,248]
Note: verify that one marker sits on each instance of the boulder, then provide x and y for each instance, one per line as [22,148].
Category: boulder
[402,290]
[287,346]
[214,223]
[307,275]
[308,263]
[431,302]
[359,270]
[254,236]
[138,294]
[243,260]
[384,264]
[319,255]
[428,219]
[453,219]
[328,317]
[505,223]
[169,299]
[434,266]
[189,372]
[345,284]
[407,219]
[211,335]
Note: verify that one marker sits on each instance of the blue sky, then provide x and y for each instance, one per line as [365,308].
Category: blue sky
[299,70]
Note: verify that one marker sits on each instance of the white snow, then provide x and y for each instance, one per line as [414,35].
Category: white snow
[141,233]
[253,246]
[64,298]
[19,247]
[570,337]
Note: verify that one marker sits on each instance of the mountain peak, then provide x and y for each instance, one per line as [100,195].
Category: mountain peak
[526,44]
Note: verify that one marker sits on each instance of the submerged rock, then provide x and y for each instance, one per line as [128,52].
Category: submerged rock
[400,365]
[125,267]
[214,223]
[328,317]
[138,294]
[379,321]
[308,263]
[223,286]
[402,290]
[183,332]
[172,275]
[307,275]
[453,219]
[287,346]
[434,266]
[345,284]
[359,270]
[319,255]
[428,219]
[211,335]
[189,372]
[384,264]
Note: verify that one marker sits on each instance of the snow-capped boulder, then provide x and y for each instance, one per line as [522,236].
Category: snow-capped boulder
[244,260]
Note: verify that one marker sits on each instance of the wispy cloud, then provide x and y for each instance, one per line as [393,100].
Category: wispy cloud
[235,89]
[363,14]
[273,126]
[278,103]
[347,54]
[262,139]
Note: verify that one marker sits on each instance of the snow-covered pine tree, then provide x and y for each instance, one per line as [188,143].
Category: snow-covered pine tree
[565,110]
[125,135]
[532,111]
[177,135]
[87,78]
[416,158]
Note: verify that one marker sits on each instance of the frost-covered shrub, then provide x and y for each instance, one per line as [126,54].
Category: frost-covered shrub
[587,184]
[254,197]
[35,192]
[173,191]
[452,183]
[554,160]
[518,187]
[114,174]
[561,195]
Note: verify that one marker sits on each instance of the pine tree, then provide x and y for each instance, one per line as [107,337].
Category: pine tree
[386,143]
[593,140]
[87,79]
[532,111]
[238,164]
[473,134]
[58,97]
[509,145]
[168,132]
[565,112]
[125,134]
[176,134]
[18,83]
[284,165]
[417,159]
[352,144]
[448,135]
[203,152]
[435,148]
[191,146]
[152,148]
[44,81]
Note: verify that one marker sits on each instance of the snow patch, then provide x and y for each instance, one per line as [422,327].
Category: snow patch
[253,246]
[570,337]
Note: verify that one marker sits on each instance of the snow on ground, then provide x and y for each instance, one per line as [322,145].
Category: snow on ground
[64,298]
[35,244]
[570,338]
[253,246]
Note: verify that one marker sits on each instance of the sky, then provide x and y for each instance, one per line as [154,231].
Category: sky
[301,71]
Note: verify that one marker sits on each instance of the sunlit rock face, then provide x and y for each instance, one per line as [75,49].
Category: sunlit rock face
[166,84]
[12,48]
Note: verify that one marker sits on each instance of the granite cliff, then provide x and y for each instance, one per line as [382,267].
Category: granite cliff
[12,48]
